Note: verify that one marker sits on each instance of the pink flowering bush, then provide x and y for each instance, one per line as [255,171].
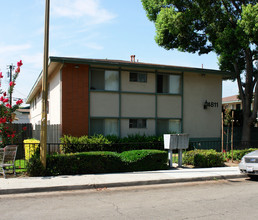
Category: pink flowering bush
[7,115]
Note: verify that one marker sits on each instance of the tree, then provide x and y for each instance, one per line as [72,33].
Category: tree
[228,28]
[7,115]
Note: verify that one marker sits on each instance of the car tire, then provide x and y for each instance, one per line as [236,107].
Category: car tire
[253,177]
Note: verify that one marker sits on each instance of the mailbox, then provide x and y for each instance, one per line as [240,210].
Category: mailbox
[170,141]
[176,141]
[183,141]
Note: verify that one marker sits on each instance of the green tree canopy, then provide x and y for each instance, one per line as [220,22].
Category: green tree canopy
[228,28]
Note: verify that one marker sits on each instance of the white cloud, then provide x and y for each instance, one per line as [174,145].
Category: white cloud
[14,48]
[90,9]
[35,61]
[94,46]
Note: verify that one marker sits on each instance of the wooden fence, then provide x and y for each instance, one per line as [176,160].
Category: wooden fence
[53,132]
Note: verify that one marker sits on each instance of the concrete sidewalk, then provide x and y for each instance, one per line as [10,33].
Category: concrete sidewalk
[59,183]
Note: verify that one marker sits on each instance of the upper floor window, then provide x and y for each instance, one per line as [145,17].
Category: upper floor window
[138,77]
[39,95]
[168,84]
[104,80]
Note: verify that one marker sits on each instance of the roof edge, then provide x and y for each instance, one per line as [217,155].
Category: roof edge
[122,63]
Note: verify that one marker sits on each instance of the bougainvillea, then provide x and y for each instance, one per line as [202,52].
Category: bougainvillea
[7,115]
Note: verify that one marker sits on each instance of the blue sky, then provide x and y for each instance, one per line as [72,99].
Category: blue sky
[111,29]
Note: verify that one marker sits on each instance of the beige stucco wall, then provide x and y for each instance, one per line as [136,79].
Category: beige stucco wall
[54,98]
[137,105]
[125,130]
[104,104]
[169,106]
[148,86]
[200,122]
[35,110]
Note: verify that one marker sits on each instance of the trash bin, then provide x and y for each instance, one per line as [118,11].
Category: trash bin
[30,147]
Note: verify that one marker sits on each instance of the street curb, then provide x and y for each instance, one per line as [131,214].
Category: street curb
[112,185]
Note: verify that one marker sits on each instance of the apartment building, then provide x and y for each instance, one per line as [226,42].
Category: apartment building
[115,97]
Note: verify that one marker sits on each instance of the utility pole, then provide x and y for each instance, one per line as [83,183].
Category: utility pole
[43,132]
[10,73]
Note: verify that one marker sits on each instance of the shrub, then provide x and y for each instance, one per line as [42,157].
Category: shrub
[137,160]
[203,158]
[238,154]
[82,144]
[105,162]
[82,163]
[72,144]
[34,165]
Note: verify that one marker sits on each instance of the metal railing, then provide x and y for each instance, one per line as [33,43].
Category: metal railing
[24,153]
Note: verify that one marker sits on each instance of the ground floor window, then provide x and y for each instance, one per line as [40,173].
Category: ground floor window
[168,126]
[104,126]
[137,123]
[111,126]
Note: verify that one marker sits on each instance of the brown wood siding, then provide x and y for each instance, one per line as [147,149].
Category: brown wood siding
[75,99]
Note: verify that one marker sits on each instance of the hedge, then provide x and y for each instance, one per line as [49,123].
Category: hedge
[101,162]
[140,160]
[83,163]
[203,158]
[238,154]
[71,144]
[84,143]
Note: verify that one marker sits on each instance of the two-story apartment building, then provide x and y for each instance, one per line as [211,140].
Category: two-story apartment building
[92,96]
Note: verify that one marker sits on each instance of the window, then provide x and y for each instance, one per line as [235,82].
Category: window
[104,80]
[32,105]
[137,123]
[168,84]
[104,126]
[168,126]
[138,77]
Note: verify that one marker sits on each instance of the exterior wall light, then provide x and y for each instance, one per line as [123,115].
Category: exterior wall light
[205,105]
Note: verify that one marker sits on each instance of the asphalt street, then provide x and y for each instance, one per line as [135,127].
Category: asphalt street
[218,199]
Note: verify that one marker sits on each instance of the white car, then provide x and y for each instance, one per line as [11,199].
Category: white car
[249,164]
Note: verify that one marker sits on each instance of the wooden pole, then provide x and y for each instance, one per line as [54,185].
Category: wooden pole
[222,133]
[43,132]
[232,135]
